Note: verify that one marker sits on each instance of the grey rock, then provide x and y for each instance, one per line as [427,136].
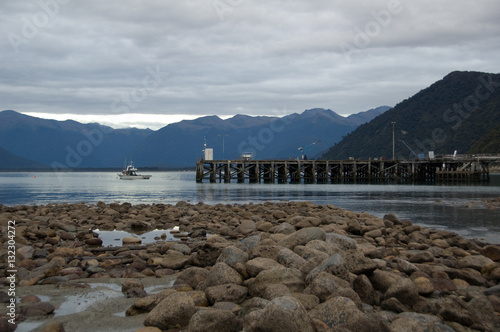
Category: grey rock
[404,290]
[475,262]
[382,280]
[37,309]
[232,256]
[214,320]
[307,253]
[326,285]
[221,274]
[253,304]
[410,321]
[309,301]
[285,228]
[174,261]
[246,227]
[259,264]
[342,241]
[292,278]
[335,265]
[226,293]
[483,313]
[406,266]
[472,276]
[364,288]
[288,258]
[495,290]
[248,243]
[276,290]
[337,311]
[283,314]
[192,276]
[357,263]
[181,247]
[265,251]
[302,237]
[422,257]
[207,254]
[323,246]
[175,310]
[26,252]
[454,309]
[394,305]
[95,269]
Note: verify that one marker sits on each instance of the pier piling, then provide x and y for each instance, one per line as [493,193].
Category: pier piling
[344,171]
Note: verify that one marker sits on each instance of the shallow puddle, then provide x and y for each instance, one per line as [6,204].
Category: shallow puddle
[79,303]
[111,286]
[102,306]
[115,238]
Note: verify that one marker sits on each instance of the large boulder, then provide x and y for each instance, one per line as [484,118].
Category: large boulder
[221,274]
[282,314]
[246,227]
[335,265]
[192,276]
[404,290]
[214,320]
[307,253]
[342,241]
[259,264]
[302,237]
[207,254]
[382,280]
[325,285]
[37,309]
[174,261]
[174,311]
[292,278]
[226,293]
[357,263]
[364,288]
[492,252]
[288,258]
[476,262]
[410,321]
[337,311]
[233,256]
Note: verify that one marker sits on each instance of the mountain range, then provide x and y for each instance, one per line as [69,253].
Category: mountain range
[29,142]
[460,112]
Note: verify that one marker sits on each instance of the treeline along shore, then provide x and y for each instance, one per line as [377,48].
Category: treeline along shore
[292,266]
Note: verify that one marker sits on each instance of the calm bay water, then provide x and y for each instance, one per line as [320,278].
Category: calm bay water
[435,206]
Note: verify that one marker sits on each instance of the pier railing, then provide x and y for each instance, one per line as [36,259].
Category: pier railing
[343,171]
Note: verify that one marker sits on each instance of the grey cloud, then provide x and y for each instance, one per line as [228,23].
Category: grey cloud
[256,57]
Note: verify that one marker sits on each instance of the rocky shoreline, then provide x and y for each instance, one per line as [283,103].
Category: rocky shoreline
[292,266]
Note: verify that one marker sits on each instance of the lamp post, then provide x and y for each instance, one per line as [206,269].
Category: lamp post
[223,154]
[393,141]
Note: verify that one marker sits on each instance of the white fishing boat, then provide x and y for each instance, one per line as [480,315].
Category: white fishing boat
[130,173]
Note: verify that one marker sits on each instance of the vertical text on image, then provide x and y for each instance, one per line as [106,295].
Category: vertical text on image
[11,270]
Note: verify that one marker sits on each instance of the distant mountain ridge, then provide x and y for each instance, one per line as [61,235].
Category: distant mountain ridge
[30,142]
[459,112]
[266,138]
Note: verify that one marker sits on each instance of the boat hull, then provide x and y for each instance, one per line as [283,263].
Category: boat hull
[133,177]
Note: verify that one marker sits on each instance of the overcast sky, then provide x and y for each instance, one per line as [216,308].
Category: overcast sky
[151,62]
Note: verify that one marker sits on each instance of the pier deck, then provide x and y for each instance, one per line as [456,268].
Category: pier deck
[343,171]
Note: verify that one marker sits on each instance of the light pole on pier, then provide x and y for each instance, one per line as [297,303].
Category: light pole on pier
[393,141]
[223,154]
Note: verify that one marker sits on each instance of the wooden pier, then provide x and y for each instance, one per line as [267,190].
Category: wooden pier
[342,171]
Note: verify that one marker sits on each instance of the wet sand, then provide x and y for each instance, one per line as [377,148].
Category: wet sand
[99,308]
